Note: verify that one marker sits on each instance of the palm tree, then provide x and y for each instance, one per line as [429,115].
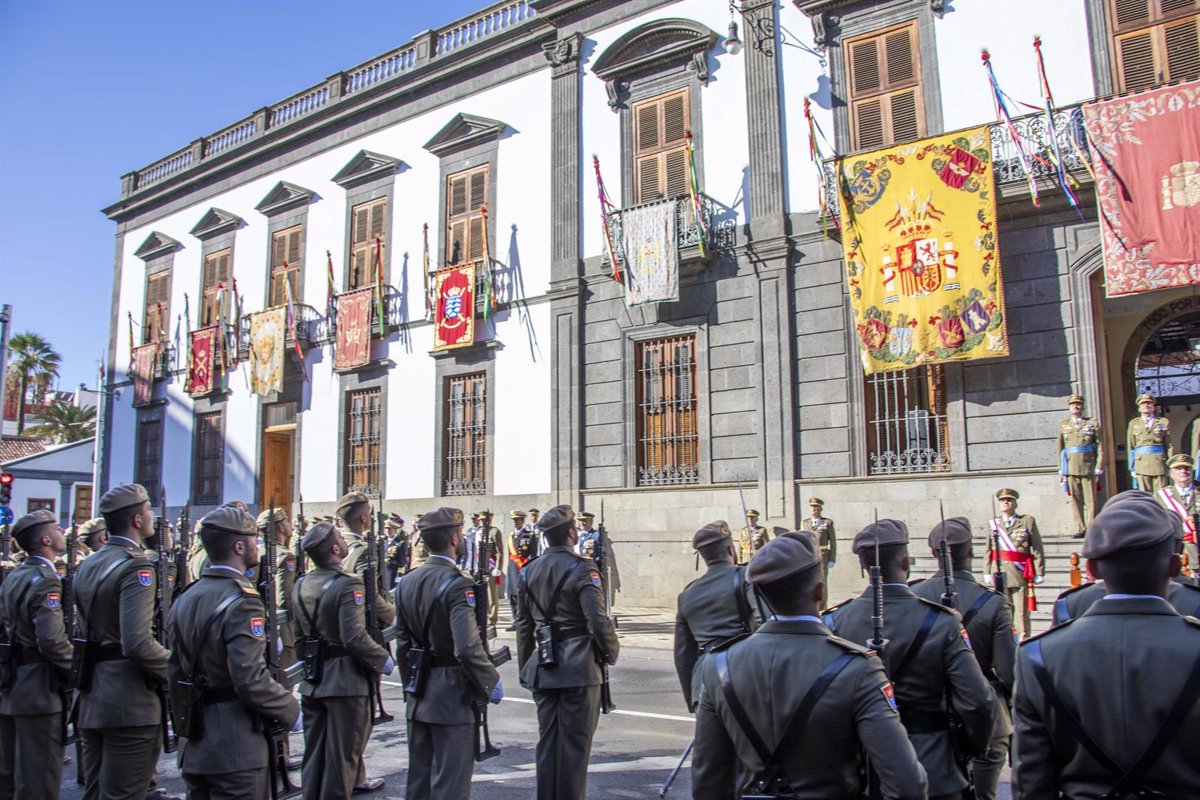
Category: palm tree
[33,361]
[66,422]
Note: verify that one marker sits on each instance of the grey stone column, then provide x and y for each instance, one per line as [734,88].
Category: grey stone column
[763,118]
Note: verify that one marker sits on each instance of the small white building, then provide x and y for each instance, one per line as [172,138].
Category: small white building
[57,479]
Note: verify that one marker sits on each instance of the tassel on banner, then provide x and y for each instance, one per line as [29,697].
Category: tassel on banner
[489,296]
[379,286]
[1003,115]
[605,205]
[818,159]
[1064,178]
[694,194]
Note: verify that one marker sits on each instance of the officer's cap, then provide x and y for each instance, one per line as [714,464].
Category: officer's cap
[444,517]
[394,521]
[238,504]
[350,499]
[1075,398]
[783,557]
[816,501]
[1008,494]
[517,514]
[1129,521]
[752,512]
[476,514]
[559,515]
[534,511]
[956,530]
[92,526]
[1181,460]
[712,533]
[586,515]
[123,496]
[264,519]
[887,532]
[1145,398]
[315,535]
[230,520]
[32,520]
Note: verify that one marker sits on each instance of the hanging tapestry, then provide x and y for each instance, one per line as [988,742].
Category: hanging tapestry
[651,254]
[145,358]
[353,329]
[266,350]
[919,232]
[200,370]
[1145,151]
[454,314]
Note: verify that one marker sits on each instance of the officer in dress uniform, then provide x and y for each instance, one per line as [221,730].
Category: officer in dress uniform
[987,618]
[93,533]
[1129,666]
[218,640]
[1080,461]
[522,548]
[491,542]
[336,692]
[1021,554]
[436,615]
[751,538]
[420,553]
[35,661]
[119,707]
[284,573]
[714,609]
[396,553]
[592,545]
[771,683]
[941,664]
[1182,499]
[821,527]
[563,638]
[1148,442]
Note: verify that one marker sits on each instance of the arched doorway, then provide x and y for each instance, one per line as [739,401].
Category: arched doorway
[1166,364]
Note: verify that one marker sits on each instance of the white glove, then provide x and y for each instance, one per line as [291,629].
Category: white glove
[497,692]
[389,666]
[1099,471]
[832,564]
[987,578]
[299,726]
[1038,579]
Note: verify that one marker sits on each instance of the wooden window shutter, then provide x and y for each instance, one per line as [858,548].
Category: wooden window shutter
[1183,49]
[475,237]
[901,63]
[368,221]
[865,73]
[278,250]
[467,194]
[648,179]
[1154,42]
[675,119]
[869,126]
[660,146]
[906,124]
[1135,54]
[1131,12]
[885,88]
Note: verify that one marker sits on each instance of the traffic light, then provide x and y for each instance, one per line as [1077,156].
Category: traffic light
[6,482]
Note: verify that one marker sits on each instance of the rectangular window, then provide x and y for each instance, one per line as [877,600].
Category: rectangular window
[83,504]
[466,435]
[1154,41]
[39,504]
[148,466]
[364,441]
[667,432]
[154,318]
[285,265]
[660,128]
[907,429]
[208,455]
[884,81]
[368,230]
[216,286]
[466,195]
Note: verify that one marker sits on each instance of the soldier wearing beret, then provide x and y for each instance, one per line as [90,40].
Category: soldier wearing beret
[1021,555]
[218,642]
[821,527]
[927,668]
[1080,461]
[283,572]
[1129,666]
[341,661]
[93,533]
[1148,444]
[713,610]
[796,690]
[355,511]
[522,548]
[1181,499]
[436,616]
[563,638]
[751,538]
[119,710]
[35,661]
[396,551]
[987,618]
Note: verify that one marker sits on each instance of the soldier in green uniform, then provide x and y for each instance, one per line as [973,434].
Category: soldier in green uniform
[437,616]
[1182,499]
[1129,666]
[751,538]
[987,618]
[35,661]
[934,673]
[283,571]
[824,537]
[522,548]
[1080,461]
[93,534]
[1148,442]
[336,692]
[1021,554]
[355,511]
[119,706]
[794,689]
[563,608]
[218,642]
[714,609]
[420,553]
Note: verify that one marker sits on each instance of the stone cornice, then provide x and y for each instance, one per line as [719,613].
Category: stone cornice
[215,221]
[365,166]
[463,131]
[284,196]
[156,244]
[656,43]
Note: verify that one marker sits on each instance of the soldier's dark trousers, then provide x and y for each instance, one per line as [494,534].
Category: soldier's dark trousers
[566,722]
[441,759]
[987,769]
[118,762]
[335,735]
[31,751]
[249,784]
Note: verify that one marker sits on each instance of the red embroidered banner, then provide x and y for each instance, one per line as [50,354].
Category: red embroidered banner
[200,370]
[353,329]
[144,358]
[1145,149]
[454,316]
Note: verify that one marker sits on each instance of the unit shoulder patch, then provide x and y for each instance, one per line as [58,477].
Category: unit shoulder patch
[257,625]
[145,577]
[53,600]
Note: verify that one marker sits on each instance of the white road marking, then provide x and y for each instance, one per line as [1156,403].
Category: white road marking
[621,711]
[529,771]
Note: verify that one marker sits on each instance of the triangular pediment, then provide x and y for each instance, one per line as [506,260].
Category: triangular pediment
[463,131]
[655,43]
[156,244]
[215,221]
[283,196]
[364,167]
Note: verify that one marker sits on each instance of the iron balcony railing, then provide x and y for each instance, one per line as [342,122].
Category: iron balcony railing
[687,228]
[307,322]
[393,316]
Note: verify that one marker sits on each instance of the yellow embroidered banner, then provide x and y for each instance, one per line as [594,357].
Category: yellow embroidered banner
[919,231]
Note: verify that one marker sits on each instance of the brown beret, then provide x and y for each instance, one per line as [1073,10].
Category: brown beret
[887,532]
[782,557]
[350,499]
[559,515]
[32,520]
[517,514]
[229,520]
[444,517]
[1075,398]
[712,533]
[1008,494]
[92,526]
[1181,460]
[315,535]
[123,496]
[264,518]
[1129,521]
[955,530]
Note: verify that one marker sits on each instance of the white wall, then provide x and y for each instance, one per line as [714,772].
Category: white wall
[805,75]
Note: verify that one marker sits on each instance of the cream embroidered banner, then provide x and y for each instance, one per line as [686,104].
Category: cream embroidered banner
[266,350]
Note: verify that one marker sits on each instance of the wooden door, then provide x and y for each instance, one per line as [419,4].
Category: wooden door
[277,469]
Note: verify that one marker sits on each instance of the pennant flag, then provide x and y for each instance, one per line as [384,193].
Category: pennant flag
[330,293]
[293,332]
[425,274]
[919,230]
[1065,179]
[605,207]
[818,159]
[353,347]
[379,286]
[200,363]
[694,195]
[266,351]
[1003,115]
[454,314]
[488,297]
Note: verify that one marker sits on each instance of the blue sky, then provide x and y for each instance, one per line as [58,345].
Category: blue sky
[91,90]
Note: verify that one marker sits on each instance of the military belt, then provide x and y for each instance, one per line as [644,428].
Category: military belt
[226,694]
[335,651]
[109,652]
[444,661]
[572,633]
[30,655]
[919,721]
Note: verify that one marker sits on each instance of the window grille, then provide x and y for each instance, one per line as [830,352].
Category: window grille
[208,455]
[149,457]
[466,435]
[364,425]
[668,441]
[907,428]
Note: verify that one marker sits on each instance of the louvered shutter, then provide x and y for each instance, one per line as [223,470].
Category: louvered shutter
[1131,12]
[156,307]
[868,124]
[1183,49]
[884,81]
[1135,54]
[1155,42]
[466,196]
[660,151]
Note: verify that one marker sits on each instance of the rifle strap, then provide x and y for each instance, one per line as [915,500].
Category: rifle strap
[16,609]
[185,653]
[917,642]
[548,619]
[437,598]
[104,576]
[976,607]
[739,595]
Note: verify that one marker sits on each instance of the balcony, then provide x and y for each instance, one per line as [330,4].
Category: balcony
[687,230]
[325,329]
[308,321]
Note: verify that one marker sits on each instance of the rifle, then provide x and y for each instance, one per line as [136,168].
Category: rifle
[998,574]
[276,735]
[161,601]
[606,701]
[182,548]
[947,563]
[745,519]
[666,787]
[483,740]
[301,529]
[68,608]
[877,642]
[5,551]
[371,581]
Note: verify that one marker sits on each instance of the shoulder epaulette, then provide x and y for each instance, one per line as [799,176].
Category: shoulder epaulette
[1074,589]
[1048,631]
[250,591]
[848,645]
[1190,586]
[837,607]
[1192,621]
[936,605]
[915,581]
